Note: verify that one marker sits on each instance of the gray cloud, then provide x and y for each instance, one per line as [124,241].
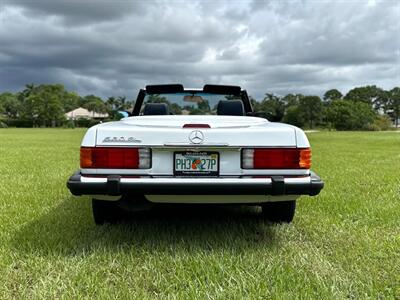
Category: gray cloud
[77,12]
[115,47]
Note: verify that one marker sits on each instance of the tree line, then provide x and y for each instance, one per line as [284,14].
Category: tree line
[45,105]
[362,108]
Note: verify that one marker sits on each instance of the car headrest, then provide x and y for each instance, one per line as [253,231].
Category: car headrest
[230,108]
[156,109]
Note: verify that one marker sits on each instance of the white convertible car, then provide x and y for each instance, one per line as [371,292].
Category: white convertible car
[194,146]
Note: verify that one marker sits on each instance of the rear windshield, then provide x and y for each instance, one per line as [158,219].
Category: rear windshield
[189,103]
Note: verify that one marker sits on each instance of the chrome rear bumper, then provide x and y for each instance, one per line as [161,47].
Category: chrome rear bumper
[115,185]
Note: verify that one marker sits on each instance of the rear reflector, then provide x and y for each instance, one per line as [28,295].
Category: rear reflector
[196,126]
[115,158]
[276,158]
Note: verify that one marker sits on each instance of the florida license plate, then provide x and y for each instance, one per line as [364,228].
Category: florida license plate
[191,163]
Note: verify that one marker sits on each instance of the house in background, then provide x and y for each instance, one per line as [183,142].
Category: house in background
[83,113]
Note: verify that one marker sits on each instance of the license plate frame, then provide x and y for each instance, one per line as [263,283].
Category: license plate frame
[196,172]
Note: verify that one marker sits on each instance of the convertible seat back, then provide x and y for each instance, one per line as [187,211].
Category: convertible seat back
[230,108]
[156,109]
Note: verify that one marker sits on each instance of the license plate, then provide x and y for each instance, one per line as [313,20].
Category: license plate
[196,163]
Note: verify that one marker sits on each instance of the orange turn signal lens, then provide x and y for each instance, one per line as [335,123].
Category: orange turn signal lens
[305,158]
[86,157]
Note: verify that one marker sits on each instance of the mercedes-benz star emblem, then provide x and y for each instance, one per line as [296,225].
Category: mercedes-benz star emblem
[196,137]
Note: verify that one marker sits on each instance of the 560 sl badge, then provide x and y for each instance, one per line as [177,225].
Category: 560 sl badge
[121,139]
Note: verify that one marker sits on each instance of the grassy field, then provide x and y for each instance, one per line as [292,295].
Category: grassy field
[344,243]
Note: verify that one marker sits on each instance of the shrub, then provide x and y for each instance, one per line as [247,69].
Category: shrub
[19,123]
[86,122]
[93,122]
[350,115]
[381,122]
[293,117]
[69,124]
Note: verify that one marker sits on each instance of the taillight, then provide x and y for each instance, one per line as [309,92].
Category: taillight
[276,158]
[115,158]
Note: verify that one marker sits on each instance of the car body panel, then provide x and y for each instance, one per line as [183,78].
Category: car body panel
[227,135]
[167,134]
[233,131]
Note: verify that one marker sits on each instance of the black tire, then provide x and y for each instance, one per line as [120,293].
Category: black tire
[105,211]
[279,212]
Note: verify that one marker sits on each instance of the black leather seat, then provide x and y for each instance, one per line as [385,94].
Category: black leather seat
[230,108]
[156,109]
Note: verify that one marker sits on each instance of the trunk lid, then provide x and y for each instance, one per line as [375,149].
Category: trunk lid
[234,131]
[179,121]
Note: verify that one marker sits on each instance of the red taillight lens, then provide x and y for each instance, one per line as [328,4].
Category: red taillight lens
[115,158]
[276,158]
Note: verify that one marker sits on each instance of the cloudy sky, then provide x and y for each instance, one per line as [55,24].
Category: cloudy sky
[115,47]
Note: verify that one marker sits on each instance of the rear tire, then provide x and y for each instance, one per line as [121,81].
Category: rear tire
[279,212]
[105,211]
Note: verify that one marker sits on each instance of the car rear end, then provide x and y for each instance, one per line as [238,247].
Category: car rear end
[195,159]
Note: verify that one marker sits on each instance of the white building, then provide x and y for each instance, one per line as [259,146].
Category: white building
[83,113]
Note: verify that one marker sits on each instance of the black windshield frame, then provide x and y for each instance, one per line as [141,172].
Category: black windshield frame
[174,88]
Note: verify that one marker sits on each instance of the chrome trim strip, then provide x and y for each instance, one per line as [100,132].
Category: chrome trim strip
[242,172]
[195,181]
[196,145]
[213,199]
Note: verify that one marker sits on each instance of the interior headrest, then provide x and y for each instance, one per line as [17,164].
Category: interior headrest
[230,108]
[156,109]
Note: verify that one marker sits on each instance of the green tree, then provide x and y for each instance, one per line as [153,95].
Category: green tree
[9,105]
[255,105]
[204,106]
[367,94]
[111,102]
[293,116]
[394,104]
[272,108]
[292,99]
[383,102]
[29,88]
[94,104]
[350,115]
[70,101]
[175,109]
[156,99]
[42,105]
[332,95]
[123,104]
[311,110]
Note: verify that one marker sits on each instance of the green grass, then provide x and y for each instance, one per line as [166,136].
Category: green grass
[345,243]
